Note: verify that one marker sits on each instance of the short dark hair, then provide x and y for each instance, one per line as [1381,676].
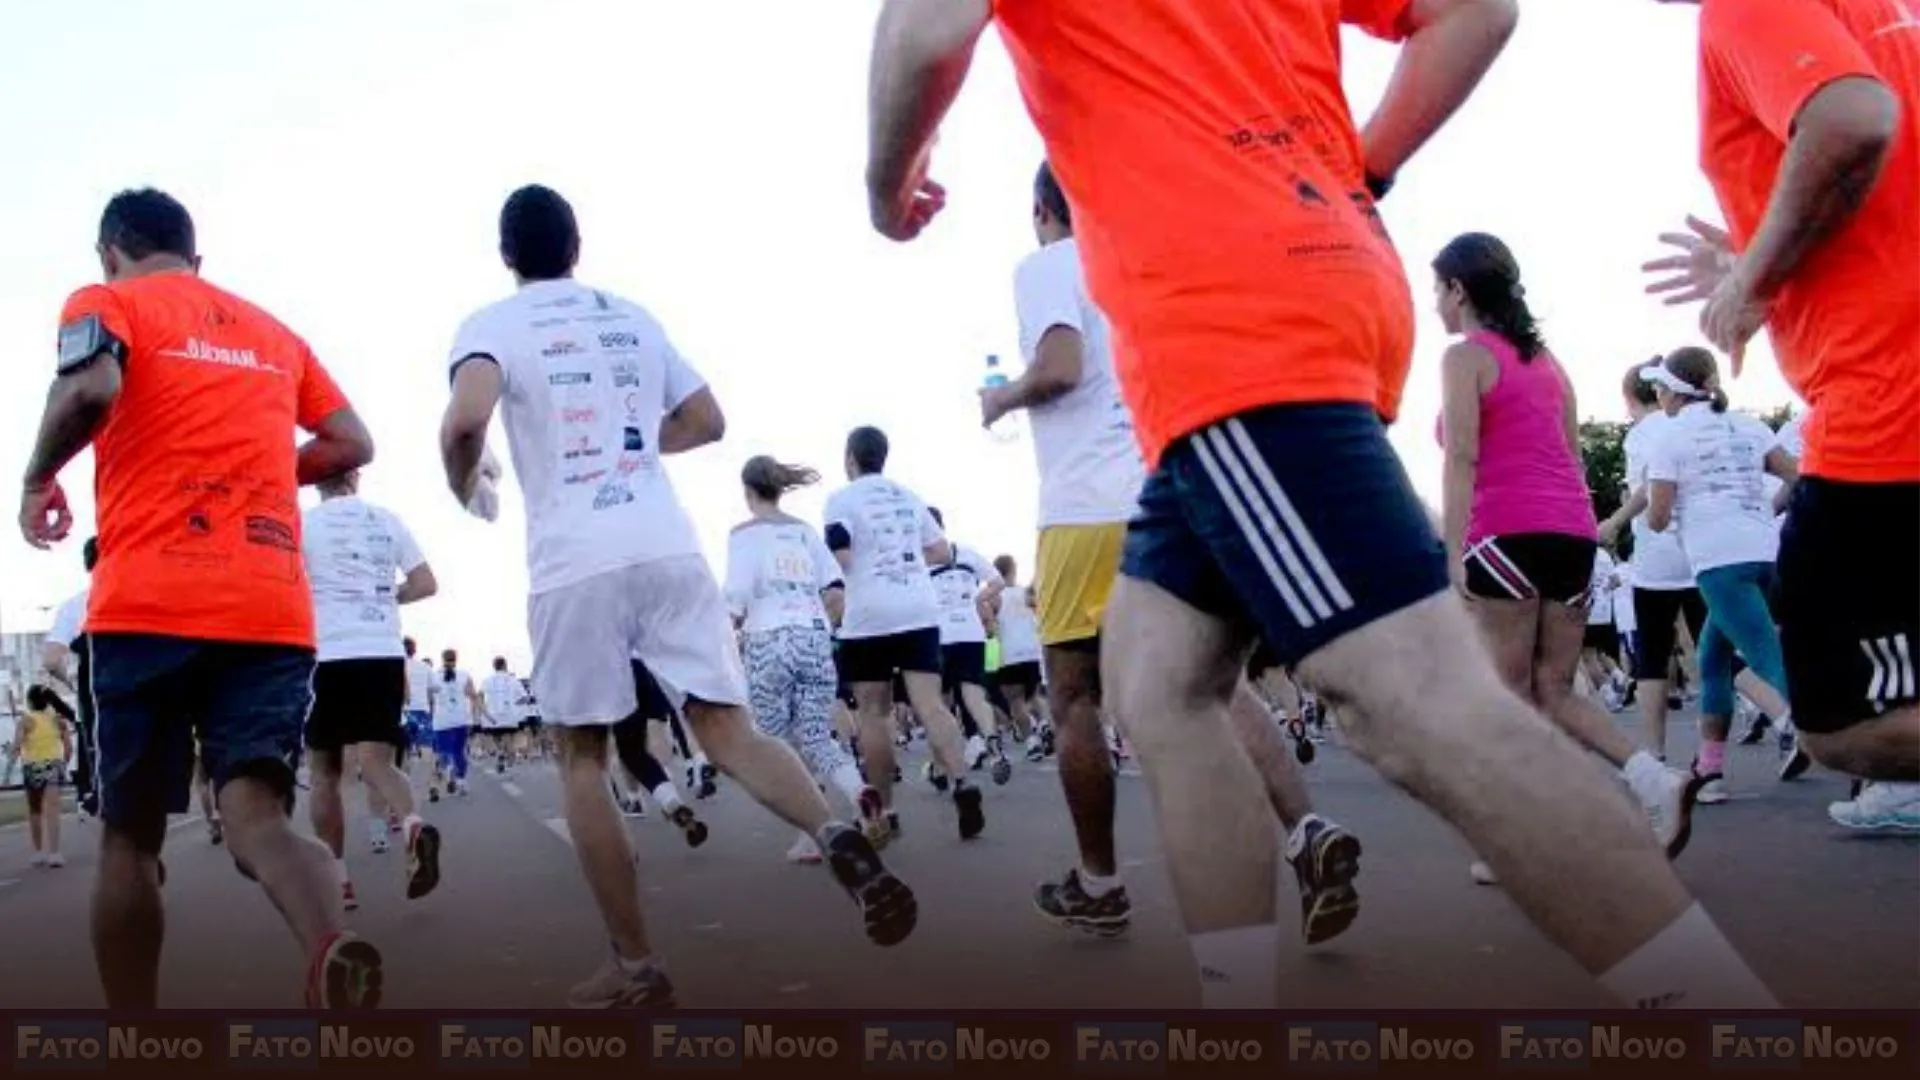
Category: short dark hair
[1046,192]
[539,237]
[939,518]
[147,222]
[410,645]
[90,553]
[867,446]
[499,663]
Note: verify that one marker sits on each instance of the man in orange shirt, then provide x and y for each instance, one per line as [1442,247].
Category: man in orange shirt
[1810,133]
[200,617]
[1265,329]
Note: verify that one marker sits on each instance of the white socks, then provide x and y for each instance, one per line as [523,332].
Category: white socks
[1096,886]
[1689,965]
[1239,969]
[667,796]
[847,778]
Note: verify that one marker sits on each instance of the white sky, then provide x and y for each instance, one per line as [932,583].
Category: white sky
[345,161]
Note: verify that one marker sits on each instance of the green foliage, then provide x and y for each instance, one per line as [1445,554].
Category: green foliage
[1603,453]
[1777,418]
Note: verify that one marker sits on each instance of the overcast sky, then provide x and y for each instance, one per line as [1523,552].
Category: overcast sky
[345,161]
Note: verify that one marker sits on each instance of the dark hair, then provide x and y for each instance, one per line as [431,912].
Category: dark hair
[770,479]
[90,553]
[39,697]
[147,222]
[1697,367]
[499,663]
[867,446]
[539,237]
[1490,275]
[1005,565]
[410,645]
[1046,192]
[1639,390]
[938,518]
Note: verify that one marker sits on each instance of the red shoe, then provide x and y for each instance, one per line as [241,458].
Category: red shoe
[345,974]
[347,899]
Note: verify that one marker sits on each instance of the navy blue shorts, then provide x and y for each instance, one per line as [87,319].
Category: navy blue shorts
[1296,523]
[151,694]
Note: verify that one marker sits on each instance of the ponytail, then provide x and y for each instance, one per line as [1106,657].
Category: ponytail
[1719,400]
[1510,317]
[1487,272]
[770,479]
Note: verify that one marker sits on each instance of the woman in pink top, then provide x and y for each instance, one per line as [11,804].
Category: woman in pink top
[1518,520]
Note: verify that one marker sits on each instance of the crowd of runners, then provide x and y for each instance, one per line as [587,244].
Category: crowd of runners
[1217,330]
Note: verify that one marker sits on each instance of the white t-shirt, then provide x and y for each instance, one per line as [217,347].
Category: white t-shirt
[588,379]
[502,693]
[451,706]
[776,571]
[419,686]
[1624,619]
[1019,627]
[355,552]
[1091,470]
[1793,439]
[958,586]
[1717,461]
[70,621]
[1600,609]
[887,527]
[1658,561]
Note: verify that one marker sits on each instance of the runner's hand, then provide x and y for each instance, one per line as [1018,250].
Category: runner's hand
[1731,318]
[1705,259]
[483,500]
[902,215]
[45,518]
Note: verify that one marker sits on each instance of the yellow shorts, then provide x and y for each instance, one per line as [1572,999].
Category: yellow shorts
[1075,576]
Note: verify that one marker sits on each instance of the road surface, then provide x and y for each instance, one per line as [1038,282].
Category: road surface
[1828,919]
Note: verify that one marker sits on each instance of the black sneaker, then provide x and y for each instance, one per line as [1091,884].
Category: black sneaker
[1036,751]
[973,819]
[423,861]
[1002,770]
[1326,867]
[1756,731]
[1067,903]
[893,826]
[885,901]
[937,778]
[684,819]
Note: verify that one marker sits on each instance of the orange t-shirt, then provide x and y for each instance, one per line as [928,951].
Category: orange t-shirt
[1847,326]
[195,465]
[1219,199]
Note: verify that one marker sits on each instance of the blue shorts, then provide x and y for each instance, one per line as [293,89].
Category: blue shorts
[418,728]
[248,703]
[1296,523]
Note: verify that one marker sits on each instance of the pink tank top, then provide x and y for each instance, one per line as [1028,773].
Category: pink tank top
[1528,480]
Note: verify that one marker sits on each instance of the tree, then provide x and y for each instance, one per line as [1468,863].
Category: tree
[1777,418]
[1603,453]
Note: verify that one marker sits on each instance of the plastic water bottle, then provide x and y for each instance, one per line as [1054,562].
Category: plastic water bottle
[1007,428]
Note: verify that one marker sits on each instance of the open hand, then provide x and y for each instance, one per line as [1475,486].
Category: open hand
[1705,259]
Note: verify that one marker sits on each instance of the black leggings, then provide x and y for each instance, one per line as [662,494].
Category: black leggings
[630,741]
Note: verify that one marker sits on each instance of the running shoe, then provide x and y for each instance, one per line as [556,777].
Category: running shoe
[1794,761]
[1002,769]
[215,835]
[621,985]
[1483,874]
[1880,807]
[56,860]
[973,818]
[1754,722]
[1037,751]
[1713,791]
[347,899]
[345,974]
[886,904]
[1325,865]
[1668,800]
[977,753]
[935,776]
[683,818]
[1066,902]
[873,818]
[423,860]
[804,851]
[893,826]
[433,794]
[38,861]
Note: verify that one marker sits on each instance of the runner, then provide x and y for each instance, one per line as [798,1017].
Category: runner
[1018,677]
[456,702]
[1600,646]
[1518,520]
[1267,330]
[594,396]
[965,583]
[200,618]
[1090,477]
[501,694]
[355,551]
[786,592]
[886,542]
[64,656]
[1810,135]
[631,737]
[418,728]
[1705,481]
[43,744]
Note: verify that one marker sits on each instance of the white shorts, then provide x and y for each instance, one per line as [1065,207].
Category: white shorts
[669,614]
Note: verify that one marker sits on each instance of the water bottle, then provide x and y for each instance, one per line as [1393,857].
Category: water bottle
[1007,428]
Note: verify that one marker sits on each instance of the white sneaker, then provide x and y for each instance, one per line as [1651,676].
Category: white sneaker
[1483,874]
[1880,807]
[1713,793]
[56,861]
[804,851]
[38,860]
[1668,796]
[976,752]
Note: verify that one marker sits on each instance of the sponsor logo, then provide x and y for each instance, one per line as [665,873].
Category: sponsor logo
[619,339]
[632,440]
[581,447]
[201,352]
[267,532]
[583,415]
[611,494]
[562,348]
[630,464]
[626,375]
[570,378]
[583,477]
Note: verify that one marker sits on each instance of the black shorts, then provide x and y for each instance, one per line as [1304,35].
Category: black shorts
[1849,618]
[963,664]
[1532,566]
[357,701]
[1656,613]
[1296,522]
[1603,638]
[867,661]
[1023,676]
[841,688]
[152,693]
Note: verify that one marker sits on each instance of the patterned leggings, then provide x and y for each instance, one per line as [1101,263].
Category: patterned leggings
[791,676]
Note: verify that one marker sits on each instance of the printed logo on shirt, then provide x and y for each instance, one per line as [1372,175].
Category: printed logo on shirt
[267,532]
[582,415]
[570,378]
[201,352]
[632,439]
[612,493]
[580,447]
[630,464]
[562,348]
[625,374]
[583,477]
[619,339]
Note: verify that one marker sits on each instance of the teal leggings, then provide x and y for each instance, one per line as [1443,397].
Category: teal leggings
[1737,619]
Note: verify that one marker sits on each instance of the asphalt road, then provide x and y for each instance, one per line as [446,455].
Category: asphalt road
[1828,919]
